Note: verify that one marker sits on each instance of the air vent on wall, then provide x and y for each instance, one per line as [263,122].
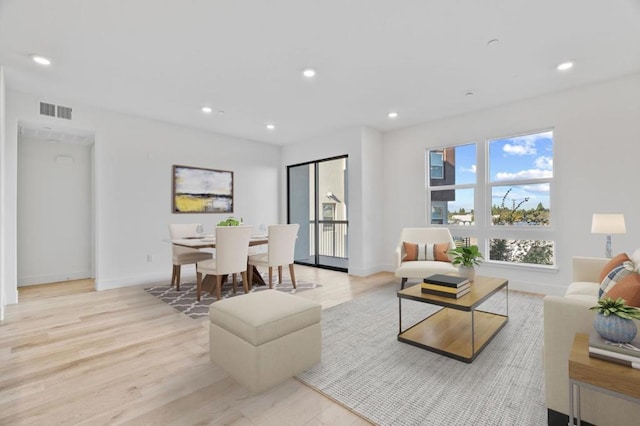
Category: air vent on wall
[47,109]
[64,112]
[52,110]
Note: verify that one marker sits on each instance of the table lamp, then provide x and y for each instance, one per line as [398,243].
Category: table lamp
[608,224]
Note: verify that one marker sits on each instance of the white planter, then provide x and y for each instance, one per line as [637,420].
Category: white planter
[467,272]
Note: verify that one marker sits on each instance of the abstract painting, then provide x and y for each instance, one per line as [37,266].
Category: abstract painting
[198,190]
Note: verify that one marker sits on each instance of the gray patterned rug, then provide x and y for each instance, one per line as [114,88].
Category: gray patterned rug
[185,299]
[367,370]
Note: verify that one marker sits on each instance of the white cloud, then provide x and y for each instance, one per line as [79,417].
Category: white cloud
[471,169]
[525,174]
[532,139]
[525,145]
[544,162]
[540,188]
[520,148]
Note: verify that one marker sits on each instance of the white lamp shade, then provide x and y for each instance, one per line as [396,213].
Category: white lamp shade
[608,224]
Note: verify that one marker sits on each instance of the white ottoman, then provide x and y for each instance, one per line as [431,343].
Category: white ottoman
[264,338]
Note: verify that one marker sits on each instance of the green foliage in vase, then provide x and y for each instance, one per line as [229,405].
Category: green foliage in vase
[607,306]
[230,221]
[466,256]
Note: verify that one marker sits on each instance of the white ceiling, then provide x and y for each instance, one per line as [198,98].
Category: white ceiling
[166,59]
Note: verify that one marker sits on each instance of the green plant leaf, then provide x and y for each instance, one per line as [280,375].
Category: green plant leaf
[466,256]
[607,306]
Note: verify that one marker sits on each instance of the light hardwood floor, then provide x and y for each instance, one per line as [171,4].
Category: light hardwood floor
[71,355]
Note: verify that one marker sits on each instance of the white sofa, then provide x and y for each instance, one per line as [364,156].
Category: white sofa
[563,318]
[420,269]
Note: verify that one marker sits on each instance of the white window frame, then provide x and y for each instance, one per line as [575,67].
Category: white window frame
[512,232]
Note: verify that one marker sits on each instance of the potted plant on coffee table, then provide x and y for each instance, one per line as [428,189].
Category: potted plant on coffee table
[466,258]
[614,320]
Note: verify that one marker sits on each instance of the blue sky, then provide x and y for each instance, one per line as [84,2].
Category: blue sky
[510,160]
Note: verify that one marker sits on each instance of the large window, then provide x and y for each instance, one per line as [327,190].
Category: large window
[520,175]
[515,200]
[452,182]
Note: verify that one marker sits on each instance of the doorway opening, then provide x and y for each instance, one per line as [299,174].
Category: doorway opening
[55,204]
[317,194]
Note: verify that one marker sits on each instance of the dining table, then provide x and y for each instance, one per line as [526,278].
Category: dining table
[209,241]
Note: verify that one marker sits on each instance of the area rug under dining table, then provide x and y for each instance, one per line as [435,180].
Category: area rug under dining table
[184,300]
[365,368]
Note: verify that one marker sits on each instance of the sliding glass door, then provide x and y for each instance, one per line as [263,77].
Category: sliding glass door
[317,200]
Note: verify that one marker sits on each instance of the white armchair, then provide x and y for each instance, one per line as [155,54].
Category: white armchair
[420,269]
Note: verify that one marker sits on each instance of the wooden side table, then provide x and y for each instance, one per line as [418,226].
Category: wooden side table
[602,376]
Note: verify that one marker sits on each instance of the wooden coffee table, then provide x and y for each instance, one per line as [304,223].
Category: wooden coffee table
[458,330]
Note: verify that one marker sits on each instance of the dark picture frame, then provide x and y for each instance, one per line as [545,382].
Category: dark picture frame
[200,190]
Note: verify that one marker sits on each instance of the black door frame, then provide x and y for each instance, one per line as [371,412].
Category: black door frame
[316,220]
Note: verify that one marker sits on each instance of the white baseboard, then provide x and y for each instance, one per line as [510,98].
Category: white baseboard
[150,278]
[531,287]
[52,278]
[546,289]
[364,272]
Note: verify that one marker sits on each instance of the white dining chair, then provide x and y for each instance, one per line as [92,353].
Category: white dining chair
[184,255]
[232,249]
[282,243]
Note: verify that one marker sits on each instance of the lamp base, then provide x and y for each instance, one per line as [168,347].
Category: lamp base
[607,249]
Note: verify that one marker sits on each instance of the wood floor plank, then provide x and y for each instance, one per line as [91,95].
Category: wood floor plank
[70,355]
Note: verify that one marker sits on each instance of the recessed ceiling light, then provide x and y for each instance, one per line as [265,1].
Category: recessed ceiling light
[206,110]
[392,115]
[270,126]
[565,66]
[41,60]
[309,72]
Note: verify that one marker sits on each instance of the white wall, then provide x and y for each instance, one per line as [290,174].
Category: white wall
[133,159]
[597,131]
[54,211]
[596,151]
[360,144]
[373,202]
[2,195]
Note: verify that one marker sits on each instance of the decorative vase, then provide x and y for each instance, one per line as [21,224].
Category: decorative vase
[467,272]
[614,328]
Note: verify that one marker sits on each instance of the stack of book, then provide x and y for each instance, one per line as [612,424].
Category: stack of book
[623,353]
[446,286]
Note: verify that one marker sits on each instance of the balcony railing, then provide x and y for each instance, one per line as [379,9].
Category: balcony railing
[332,238]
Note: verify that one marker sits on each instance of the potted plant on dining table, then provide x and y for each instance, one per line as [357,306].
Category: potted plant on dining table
[230,221]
